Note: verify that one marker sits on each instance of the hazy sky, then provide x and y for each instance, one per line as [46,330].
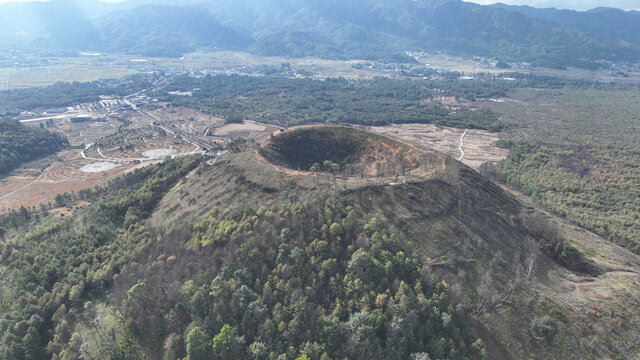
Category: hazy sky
[560,4]
[569,4]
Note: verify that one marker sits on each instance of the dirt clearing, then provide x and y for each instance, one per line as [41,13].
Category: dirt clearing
[98,167]
[52,175]
[158,153]
[479,146]
[248,129]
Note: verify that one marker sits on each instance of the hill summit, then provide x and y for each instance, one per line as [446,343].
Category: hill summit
[254,255]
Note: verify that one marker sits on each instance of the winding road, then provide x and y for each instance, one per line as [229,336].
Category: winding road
[462,143]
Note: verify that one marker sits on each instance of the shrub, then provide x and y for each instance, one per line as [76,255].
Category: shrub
[544,328]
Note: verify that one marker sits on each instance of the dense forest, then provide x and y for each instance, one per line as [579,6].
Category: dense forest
[578,156]
[306,279]
[273,98]
[286,102]
[20,143]
[13,102]
[574,183]
[49,273]
[295,288]
[381,101]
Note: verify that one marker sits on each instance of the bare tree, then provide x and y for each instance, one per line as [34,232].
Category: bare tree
[401,160]
[334,170]
[315,168]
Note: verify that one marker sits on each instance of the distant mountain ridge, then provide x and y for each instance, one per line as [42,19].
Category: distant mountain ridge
[148,30]
[362,29]
[608,21]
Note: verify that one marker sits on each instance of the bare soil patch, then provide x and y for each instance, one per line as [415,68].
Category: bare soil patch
[98,167]
[247,130]
[50,176]
[479,145]
[158,153]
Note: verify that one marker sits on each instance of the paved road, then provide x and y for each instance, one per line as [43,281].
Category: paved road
[175,132]
[55,117]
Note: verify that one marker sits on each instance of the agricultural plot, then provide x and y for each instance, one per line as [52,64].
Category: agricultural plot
[4,79]
[138,140]
[17,78]
[117,147]
[321,68]
[83,132]
[39,182]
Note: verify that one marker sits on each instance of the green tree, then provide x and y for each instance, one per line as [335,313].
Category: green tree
[335,229]
[225,344]
[197,345]
[544,328]
[31,343]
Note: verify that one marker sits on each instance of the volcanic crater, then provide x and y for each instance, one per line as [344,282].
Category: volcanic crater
[340,149]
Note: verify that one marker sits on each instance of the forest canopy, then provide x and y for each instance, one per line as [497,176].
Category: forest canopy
[20,143]
[286,102]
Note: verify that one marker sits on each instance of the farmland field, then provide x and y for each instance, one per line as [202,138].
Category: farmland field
[17,78]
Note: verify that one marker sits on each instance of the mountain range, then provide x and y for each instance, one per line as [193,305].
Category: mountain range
[358,29]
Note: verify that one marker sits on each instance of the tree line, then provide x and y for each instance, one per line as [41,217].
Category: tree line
[20,143]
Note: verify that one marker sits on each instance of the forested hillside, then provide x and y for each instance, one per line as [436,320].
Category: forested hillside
[239,260]
[20,143]
[603,20]
[13,102]
[294,287]
[287,102]
[150,31]
[579,156]
[48,273]
[359,29]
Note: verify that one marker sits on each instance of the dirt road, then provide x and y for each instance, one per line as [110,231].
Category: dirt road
[462,143]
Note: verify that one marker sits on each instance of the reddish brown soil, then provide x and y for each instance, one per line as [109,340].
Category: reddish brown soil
[60,177]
